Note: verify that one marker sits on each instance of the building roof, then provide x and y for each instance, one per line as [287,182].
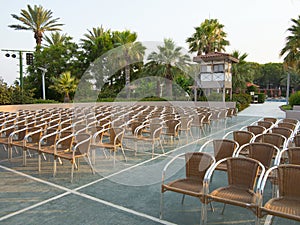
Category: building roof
[215,56]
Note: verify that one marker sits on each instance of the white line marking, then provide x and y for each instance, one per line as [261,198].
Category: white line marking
[68,191]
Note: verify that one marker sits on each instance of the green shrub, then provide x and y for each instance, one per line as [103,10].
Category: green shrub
[42,101]
[242,100]
[295,99]
[261,97]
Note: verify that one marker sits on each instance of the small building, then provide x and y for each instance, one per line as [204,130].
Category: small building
[215,73]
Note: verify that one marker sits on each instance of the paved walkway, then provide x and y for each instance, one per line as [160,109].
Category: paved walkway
[267,109]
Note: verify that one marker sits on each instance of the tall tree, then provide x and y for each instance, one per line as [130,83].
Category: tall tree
[292,46]
[65,84]
[57,58]
[131,51]
[38,20]
[239,71]
[168,60]
[208,37]
[96,42]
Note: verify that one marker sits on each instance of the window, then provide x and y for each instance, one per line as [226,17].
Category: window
[219,68]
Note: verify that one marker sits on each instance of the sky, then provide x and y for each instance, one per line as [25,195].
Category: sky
[255,27]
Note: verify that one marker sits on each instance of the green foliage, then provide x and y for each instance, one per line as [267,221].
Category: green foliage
[208,37]
[292,45]
[65,84]
[57,59]
[295,99]
[271,75]
[251,88]
[242,101]
[261,97]
[38,20]
[21,97]
[5,94]
[42,101]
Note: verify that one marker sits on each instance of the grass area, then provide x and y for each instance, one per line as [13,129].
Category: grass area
[287,107]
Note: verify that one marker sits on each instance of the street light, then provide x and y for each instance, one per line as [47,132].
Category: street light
[44,70]
[20,61]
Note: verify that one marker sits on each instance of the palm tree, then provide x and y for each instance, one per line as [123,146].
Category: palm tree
[56,38]
[96,42]
[65,84]
[132,52]
[38,20]
[168,60]
[209,37]
[292,46]
[238,71]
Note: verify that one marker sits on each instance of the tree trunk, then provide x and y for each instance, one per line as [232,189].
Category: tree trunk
[38,36]
[127,81]
[169,82]
[66,98]
[158,88]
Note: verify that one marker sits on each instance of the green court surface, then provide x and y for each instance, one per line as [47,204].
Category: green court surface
[127,193]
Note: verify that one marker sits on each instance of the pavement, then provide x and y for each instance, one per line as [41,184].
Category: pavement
[267,109]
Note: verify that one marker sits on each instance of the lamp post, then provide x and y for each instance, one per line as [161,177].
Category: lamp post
[44,70]
[20,61]
[288,88]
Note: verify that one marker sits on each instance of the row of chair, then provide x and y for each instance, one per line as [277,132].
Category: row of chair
[246,173]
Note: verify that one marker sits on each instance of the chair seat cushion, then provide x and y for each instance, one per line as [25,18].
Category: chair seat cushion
[234,195]
[191,187]
[283,207]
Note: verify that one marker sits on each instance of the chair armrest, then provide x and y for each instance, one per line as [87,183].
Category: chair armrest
[46,136]
[10,137]
[205,145]
[227,134]
[168,164]
[29,134]
[97,134]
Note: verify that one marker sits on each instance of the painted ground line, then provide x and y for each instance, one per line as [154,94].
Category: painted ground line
[33,206]
[69,191]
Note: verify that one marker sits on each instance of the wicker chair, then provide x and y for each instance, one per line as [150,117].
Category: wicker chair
[197,163]
[172,129]
[222,148]
[263,152]
[290,155]
[271,119]
[240,136]
[31,141]
[267,124]
[15,139]
[80,150]
[46,145]
[186,124]
[278,140]
[154,135]
[287,202]
[198,122]
[115,140]
[291,126]
[5,132]
[243,175]
[255,129]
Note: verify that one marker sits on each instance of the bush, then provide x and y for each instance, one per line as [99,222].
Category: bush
[295,99]
[242,100]
[42,101]
[261,97]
